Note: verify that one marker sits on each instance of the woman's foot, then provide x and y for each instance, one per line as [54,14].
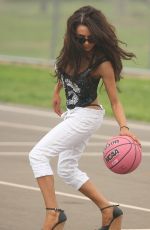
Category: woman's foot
[111,218]
[55,219]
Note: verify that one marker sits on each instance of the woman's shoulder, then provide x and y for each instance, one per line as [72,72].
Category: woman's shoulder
[102,65]
[98,60]
[105,69]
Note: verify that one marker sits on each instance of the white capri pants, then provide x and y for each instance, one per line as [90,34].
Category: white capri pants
[67,140]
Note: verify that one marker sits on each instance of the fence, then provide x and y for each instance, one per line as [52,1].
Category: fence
[36,28]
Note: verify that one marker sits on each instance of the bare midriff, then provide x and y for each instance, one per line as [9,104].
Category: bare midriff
[94,104]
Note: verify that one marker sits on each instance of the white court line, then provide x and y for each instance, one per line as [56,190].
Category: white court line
[30,111]
[28,143]
[85,154]
[50,114]
[24,126]
[67,195]
[17,143]
[41,128]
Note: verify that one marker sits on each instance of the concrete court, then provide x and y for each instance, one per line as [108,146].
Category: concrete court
[21,204]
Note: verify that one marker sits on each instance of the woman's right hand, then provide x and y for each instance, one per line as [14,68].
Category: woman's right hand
[57,104]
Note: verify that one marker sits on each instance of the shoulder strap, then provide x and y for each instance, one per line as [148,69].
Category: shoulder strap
[98,62]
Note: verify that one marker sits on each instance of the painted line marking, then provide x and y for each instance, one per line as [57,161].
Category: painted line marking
[40,128]
[30,111]
[17,143]
[24,126]
[50,114]
[67,195]
[85,154]
[30,143]
[45,129]
[25,143]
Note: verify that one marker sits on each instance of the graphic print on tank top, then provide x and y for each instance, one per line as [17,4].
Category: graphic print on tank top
[73,92]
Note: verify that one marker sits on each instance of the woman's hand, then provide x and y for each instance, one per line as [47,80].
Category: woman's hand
[57,104]
[124,131]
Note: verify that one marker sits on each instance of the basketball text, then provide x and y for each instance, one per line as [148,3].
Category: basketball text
[113,154]
[112,143]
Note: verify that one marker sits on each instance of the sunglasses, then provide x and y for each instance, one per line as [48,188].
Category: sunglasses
[82,39]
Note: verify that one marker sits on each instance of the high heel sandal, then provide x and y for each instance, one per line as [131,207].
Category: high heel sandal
[117,212]
[61,218]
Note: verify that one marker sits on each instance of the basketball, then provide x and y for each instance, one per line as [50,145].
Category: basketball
[122,154]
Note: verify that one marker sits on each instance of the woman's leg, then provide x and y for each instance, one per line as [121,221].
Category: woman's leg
[58,140]
[89,190]
[49,146]
[46,184]
[72,175]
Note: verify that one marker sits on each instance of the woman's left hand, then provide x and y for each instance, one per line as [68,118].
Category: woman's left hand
[126,132]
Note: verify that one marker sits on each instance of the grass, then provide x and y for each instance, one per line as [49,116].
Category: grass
[27,31]
[26,85]
[34,86]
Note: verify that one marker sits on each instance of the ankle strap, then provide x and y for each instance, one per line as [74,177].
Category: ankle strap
[110,206]
[55,209]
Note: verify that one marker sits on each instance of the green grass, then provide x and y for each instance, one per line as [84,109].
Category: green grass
[27,31]
[34,86]
[134,97]
[26,85]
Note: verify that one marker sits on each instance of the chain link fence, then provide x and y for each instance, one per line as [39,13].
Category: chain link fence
[35,28]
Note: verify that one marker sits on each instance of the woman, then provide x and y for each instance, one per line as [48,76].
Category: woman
[90,53]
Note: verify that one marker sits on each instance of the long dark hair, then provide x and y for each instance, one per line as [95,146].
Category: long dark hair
[107,43]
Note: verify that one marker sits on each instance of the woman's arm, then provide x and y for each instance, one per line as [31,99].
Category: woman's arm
[57,99]
[106,71]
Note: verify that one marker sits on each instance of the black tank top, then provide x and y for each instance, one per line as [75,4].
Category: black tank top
[80,91]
